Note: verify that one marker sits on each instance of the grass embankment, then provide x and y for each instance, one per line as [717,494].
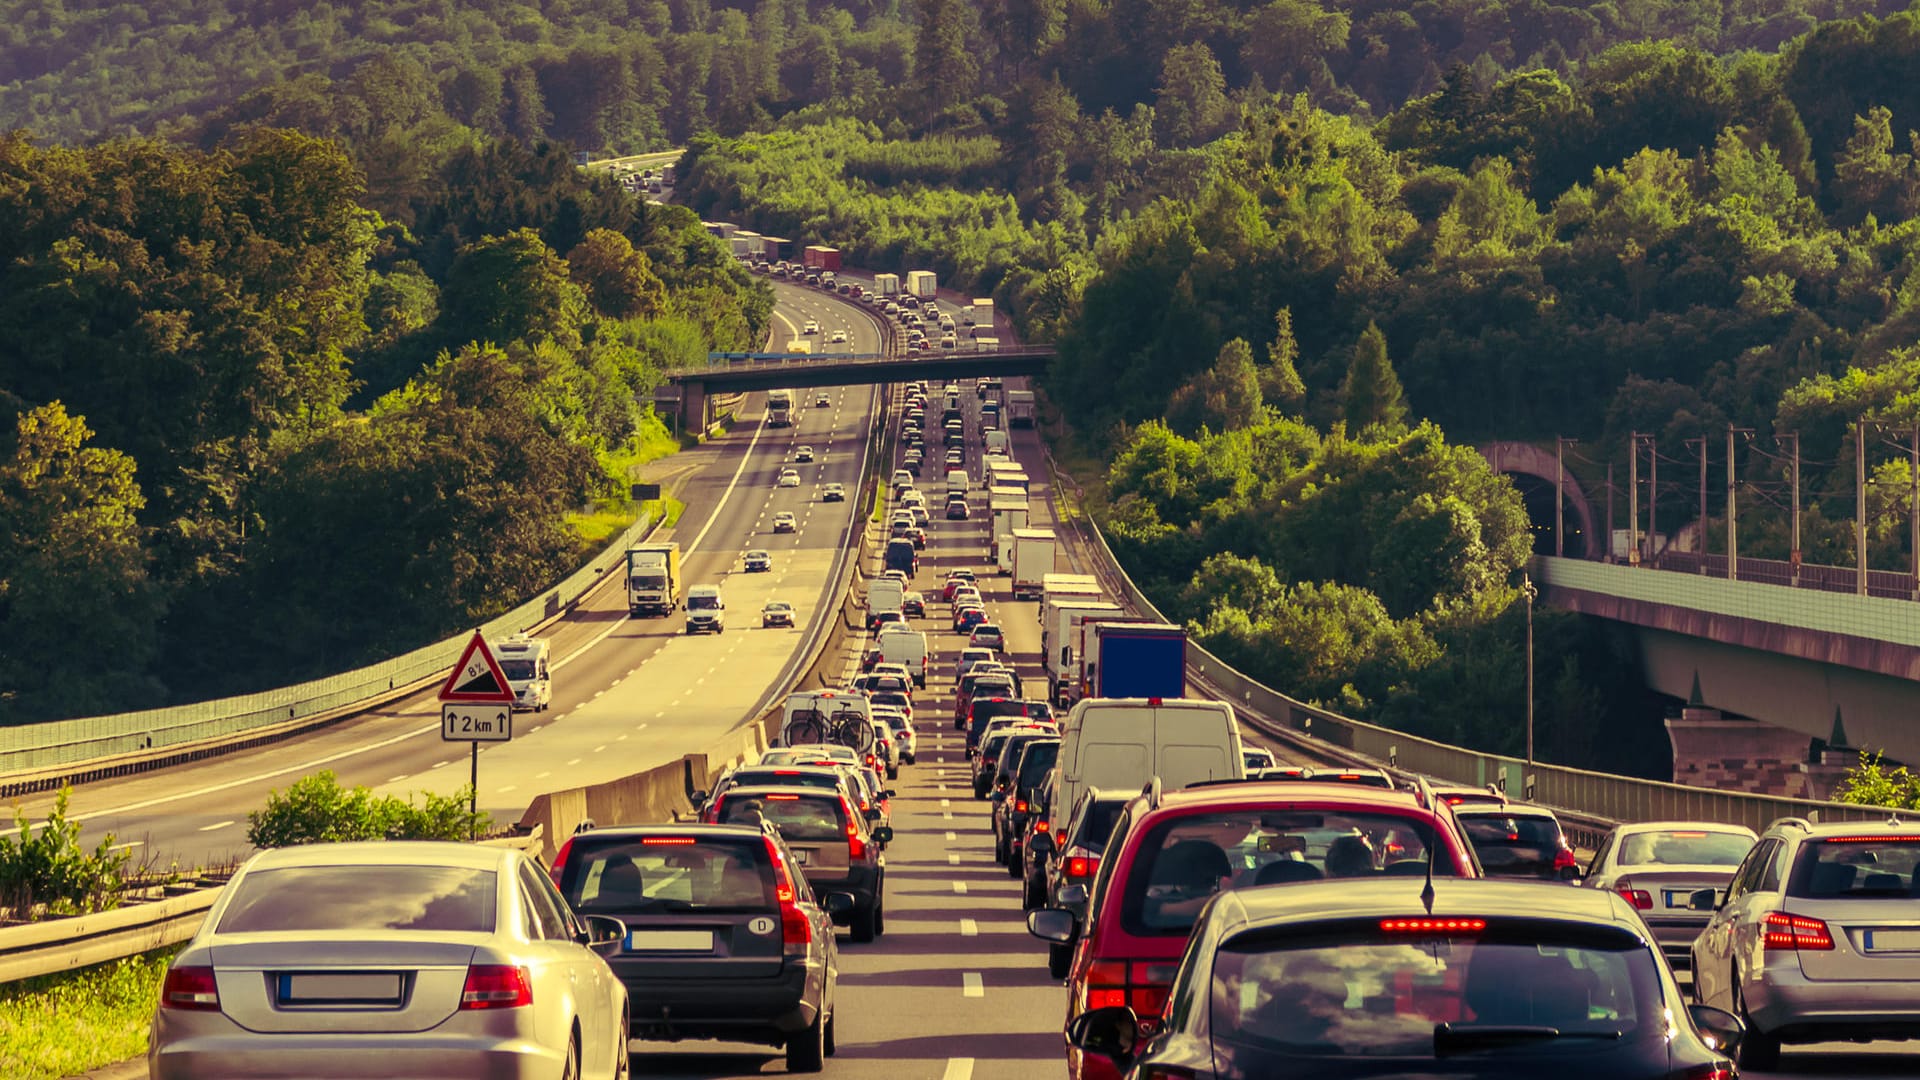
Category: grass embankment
[59,1025]
[596,528]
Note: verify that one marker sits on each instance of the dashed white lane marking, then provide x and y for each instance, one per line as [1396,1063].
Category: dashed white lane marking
[971,985]
[944,803]
[953,836]
[597,693]
[599,748]
[509,787]
[969,928]
[640,727]
[661,715]
[575,761]
[622,738]
[544,775]
[953,860]
[129,845]
[396,779]
[216,825]
[441,764]
[960,888]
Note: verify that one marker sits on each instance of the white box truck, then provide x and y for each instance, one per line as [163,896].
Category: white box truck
[924,284]
[653,579]
[1032,561]
[983,311]
[1057,587]
[1059,641]
[886,284]
[1019,408]
[1009,513]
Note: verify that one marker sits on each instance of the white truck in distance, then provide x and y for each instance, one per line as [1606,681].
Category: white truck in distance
[653,579]
[1032,561]
[1060,622]
[1009,513]
[924,284]
[884,594]
[1056,588]
[982,312]
[1019,408]
[886,285]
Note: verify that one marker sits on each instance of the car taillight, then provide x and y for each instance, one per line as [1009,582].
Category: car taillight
[796,930]
[1564,859]
[856,844]
[1786,931]
[1144,986]
[1019,806]
[1042,826]
[190,988]
[1639,898]
[560,859]
[1716,1071]
[1082,866]
[497,986]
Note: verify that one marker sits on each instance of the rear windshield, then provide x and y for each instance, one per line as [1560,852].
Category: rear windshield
[439,898]
[985,709]
[1510,830]
[1863,867]
[1363,994]
[1037,762]
[1184,860]
[1684,847]
[1097,827]
[784,778]
[800,818]
[1010,754]
[668,873]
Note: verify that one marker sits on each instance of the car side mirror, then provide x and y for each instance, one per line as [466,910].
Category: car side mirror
[1041,843]
[1702,900]
[873,813]
[1073,894]
[602,930]
[883,834]
[891,793]
[1723,1030]
[838,903]
[1111,1032]
[1052,924]
[700,798]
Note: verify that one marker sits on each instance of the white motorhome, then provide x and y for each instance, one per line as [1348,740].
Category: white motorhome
[1122,743]
[524,661]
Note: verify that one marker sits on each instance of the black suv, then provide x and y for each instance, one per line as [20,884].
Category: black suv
[725,937]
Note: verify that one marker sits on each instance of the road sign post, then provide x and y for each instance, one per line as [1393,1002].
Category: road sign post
[476,707]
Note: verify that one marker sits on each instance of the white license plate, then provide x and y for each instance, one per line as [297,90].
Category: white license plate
[1678,899]
[1890,940]
[340,988]
[801,857]
[669,941]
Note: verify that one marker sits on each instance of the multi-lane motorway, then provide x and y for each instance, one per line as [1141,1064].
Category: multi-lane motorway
[955,989]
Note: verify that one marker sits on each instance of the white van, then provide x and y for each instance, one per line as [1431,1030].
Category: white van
[996,442]
[523,660]
[899,645]
[885,594]
[1121,743]
[706,610]
[957,483]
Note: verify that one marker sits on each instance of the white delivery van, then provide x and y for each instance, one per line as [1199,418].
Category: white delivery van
[1122,743]
[523,660]
[996,442]
[706,610]
[957,483]
[900,645]
[885,594]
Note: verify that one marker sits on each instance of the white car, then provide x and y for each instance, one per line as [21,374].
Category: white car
[839,337]
[823,399]
[784,522]
[803,455]
[833,493]
[811,327]
[789,478]
[432,959]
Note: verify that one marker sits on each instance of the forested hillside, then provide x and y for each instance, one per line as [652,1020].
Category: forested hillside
[263,435]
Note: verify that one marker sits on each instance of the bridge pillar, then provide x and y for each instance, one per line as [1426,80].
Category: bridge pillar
[1732,754]
[693,407]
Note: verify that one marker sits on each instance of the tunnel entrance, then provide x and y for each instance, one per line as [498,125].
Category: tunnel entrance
[1536,492]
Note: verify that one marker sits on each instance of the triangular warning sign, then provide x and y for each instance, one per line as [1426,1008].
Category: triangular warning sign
[477,678]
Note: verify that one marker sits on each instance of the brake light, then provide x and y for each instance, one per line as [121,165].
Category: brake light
[1042,826]
[1106,984]
[856,844]
[665,841]
[1639,898]
[1564,859]
[1144,986]
[560,858]
[796,930]
[190,988]
[1019,806]
[1872,839]
[1786,931]
[1082,866]
[783,798]
[1433,926]
[1709,1072]
[497,986]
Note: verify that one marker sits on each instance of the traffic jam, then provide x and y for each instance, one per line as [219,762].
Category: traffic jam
[1209,911]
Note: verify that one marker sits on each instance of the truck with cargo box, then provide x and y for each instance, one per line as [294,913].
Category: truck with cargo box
[653,579]
[821,257]
[924,284]
[1032,561]
[1135,660]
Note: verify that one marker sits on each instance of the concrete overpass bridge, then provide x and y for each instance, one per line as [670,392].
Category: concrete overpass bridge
[690,389]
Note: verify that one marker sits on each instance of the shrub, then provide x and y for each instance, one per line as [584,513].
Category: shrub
[1872,784]
[317,810]
[51,872]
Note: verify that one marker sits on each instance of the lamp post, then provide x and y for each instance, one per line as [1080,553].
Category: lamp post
[1528,590]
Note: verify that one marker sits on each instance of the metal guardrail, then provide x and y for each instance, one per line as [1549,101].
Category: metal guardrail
[762,361]
[34,747]
[1599,797]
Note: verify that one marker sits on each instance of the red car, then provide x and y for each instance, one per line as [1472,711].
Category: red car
[954,581]
[1172,852]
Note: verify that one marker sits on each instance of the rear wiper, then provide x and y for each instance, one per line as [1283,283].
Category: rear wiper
[1466,1037]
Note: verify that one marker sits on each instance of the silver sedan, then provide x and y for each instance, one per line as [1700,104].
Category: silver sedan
[388,960]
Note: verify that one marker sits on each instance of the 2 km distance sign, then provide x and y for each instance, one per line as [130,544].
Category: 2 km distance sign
[461,722]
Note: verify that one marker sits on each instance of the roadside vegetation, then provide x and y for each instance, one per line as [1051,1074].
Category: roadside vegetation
[45,870]
[61,1025]
[317,809]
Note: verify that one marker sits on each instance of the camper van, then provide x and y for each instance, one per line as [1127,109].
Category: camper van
[523,660]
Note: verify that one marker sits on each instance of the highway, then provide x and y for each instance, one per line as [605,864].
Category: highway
[629,694]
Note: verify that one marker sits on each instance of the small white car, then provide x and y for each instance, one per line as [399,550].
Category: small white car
[803,455]
[784,522]
[838,337]
[776,613]
[811,327]
[789,478]
[822,399]
[833,493]
[757,561]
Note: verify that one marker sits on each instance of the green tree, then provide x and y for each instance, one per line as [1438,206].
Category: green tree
[1280,384]
[618,280]
[1225,397]
[1370,395]
[1869,178]
[945,57]
[76,607]
[1191,105]
[512,288]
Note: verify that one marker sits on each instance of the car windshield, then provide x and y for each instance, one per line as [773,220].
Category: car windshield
[1184,860]
[1511,829]
[703,602]
[779,605]
[517,670]
[1684,847]
[1097,827]
[669,873]
[1364,994]
[800,818]
[294,899]
[1866,867]
[1037,762]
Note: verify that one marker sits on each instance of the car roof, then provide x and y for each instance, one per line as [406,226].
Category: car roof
[618,832]
[1680,826]
[1235,794]
[1465,810]
[1385,896]
[780,789]
[384,853]
[1826,829]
